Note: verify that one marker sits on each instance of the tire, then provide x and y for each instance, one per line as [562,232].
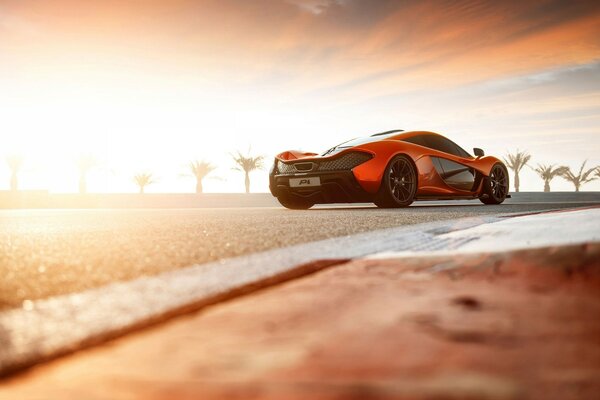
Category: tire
[398,185]
[295,204]
[495,186]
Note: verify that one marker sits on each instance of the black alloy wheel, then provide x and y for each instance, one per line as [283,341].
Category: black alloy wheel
[399,184]
[495,187]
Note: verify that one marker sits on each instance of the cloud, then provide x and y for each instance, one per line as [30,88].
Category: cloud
[333,51]
[330,50]
[386,47]
[15,25]
[314,6]
[418,45]
[497,74]
[329,43]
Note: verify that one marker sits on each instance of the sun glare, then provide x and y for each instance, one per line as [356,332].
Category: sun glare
[151,92]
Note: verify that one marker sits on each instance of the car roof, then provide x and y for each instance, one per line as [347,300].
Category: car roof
[399,135]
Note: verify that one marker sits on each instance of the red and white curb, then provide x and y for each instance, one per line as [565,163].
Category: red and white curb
[521,232]
[46,328]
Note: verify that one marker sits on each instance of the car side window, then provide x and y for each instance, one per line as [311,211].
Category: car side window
[419,139]
[463,153]
[445,145]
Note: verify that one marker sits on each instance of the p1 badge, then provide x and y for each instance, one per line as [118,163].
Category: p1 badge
[305,182]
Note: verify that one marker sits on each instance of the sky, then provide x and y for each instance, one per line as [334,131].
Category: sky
[148,85]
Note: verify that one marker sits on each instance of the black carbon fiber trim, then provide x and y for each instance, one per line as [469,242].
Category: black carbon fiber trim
[285,169]
[344,163]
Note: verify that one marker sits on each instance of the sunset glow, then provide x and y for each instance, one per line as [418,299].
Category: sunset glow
[152,85]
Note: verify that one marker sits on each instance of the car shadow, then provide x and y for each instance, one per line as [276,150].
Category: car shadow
[409,208]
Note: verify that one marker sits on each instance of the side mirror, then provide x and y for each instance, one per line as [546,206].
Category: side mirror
[478,152]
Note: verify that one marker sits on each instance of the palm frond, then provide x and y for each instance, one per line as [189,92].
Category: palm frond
[144,179]
[247,163]
[588,175]
[549,172]
[517,160]
[201,168]
[583,176]
[85,163]
[14,162]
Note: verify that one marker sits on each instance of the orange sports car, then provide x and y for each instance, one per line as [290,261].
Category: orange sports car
[390,169]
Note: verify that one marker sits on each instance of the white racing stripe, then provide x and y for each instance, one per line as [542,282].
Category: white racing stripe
[46,328]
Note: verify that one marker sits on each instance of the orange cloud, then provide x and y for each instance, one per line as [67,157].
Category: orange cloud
[343,47]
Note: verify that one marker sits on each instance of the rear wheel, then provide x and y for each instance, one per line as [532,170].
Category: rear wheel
[295,203]
[399,184]
[495,186]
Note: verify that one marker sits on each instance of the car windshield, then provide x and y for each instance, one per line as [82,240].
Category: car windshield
[352,143]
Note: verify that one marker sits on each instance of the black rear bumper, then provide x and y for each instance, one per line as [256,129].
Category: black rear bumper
[336,187]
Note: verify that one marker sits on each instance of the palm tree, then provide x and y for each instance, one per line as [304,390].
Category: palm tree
[582,177]
[84,163]
[142,180]
[15,162]
[549,172]
[516,162]
[247,164]
[200,169]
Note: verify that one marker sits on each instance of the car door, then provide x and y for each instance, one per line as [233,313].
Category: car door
[454,173]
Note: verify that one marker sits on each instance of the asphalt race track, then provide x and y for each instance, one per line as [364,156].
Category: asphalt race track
[49,252]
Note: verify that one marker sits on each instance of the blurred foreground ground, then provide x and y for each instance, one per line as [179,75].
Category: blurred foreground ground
[51,252]
[477,322]
[44,199]
[516,325]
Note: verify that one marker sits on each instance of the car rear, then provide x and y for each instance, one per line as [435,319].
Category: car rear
[320,179]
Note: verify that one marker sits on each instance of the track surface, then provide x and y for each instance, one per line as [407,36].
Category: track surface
[49,252]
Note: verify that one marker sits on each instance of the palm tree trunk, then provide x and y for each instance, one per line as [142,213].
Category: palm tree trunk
[546,186]
[247,182]
[198,185]
[516,182]
[14,182]
[141,189]
[577,187]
